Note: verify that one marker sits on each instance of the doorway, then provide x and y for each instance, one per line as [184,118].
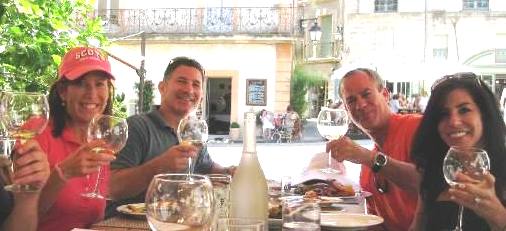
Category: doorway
[218,105]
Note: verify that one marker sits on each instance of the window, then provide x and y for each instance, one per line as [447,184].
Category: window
[385,5]
[500,55]
[475,4]
[440,53]
[440,47]
[500,48]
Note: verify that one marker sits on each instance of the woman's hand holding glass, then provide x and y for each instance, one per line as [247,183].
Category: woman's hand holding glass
[110,134]
[32,167]
[84,161]
[464,165]
[479,196]
[23,116]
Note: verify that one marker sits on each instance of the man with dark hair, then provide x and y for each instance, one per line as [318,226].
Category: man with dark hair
[152,146]
[386,171]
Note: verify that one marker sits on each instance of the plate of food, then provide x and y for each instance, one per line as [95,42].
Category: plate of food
[135,210]
[326,188]
[348,220]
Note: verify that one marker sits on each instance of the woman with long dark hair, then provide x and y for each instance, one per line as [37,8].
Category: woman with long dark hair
[462,111]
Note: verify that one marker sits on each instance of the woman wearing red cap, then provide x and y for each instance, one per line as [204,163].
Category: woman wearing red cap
[83,91]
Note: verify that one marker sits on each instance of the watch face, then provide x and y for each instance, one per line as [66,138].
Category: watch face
[381,159]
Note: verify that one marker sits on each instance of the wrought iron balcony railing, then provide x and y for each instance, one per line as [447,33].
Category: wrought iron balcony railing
[257,21]
[322,50]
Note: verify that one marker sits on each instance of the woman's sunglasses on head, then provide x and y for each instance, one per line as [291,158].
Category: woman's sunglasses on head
[462,75]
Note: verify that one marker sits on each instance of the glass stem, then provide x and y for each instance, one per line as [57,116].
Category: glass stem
[99,179]
[329,165]
[189,165]
[459,224]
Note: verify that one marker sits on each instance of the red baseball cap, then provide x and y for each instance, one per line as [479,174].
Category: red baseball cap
[81,60]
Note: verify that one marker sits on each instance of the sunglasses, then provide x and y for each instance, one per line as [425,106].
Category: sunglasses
[381,184]
[461,76]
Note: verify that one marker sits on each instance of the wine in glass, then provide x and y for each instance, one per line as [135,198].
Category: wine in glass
[332,124]
[110,133]
[24,115]
[192,131]
[180,202]
[473,162]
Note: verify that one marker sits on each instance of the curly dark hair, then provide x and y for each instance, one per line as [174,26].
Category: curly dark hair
[429,149]
[57,112]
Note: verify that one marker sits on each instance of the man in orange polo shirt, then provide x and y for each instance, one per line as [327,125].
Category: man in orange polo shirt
[387,171]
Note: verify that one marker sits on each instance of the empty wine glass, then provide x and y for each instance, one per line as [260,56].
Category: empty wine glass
[192,131]
[24,115]
[111,133]
[180,202]
[332,124]
[472,162]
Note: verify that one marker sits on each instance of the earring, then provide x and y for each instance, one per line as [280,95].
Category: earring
[63,103]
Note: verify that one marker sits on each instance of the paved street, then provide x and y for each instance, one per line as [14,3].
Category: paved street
[280,160]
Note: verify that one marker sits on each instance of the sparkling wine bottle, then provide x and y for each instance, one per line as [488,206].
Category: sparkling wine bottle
[249,197]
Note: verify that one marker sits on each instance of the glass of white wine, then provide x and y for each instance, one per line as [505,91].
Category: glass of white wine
[180,202]
[192,131]
[472,162]
[111,133]
[332,124]
[24,115]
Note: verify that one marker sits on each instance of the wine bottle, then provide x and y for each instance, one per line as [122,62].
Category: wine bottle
[249,196]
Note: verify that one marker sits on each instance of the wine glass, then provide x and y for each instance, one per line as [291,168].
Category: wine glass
[192,131]
[180,202]
[111,133]
[24,115]
[332,124]
[473,162]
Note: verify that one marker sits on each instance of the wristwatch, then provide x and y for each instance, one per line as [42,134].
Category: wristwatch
[380,160]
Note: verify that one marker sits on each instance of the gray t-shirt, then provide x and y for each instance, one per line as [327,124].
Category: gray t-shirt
[149,136]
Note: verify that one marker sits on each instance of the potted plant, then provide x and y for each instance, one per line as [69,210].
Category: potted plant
[235,131]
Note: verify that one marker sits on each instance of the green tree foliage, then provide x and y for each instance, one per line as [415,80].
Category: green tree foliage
[34,35]
[149,94]
[119,106]
[301,81]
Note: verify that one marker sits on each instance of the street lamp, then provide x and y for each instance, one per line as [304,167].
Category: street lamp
[315,32]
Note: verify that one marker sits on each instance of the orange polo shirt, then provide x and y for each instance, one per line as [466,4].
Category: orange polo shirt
[396,206]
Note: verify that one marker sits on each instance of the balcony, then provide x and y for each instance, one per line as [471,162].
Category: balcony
[223,21]
[322,51]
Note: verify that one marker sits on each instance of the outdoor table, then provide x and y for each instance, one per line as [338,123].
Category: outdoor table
[121,222]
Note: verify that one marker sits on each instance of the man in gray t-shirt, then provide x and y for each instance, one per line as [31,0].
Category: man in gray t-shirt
[152,146]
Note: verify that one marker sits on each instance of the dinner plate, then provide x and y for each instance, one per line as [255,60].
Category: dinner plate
[357,195]
[323,200]
[348,220]
[330,200]
[124,209]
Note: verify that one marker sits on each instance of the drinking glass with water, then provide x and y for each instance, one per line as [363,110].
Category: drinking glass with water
[300,215]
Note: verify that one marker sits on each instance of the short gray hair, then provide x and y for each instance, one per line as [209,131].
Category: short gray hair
[373,75]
